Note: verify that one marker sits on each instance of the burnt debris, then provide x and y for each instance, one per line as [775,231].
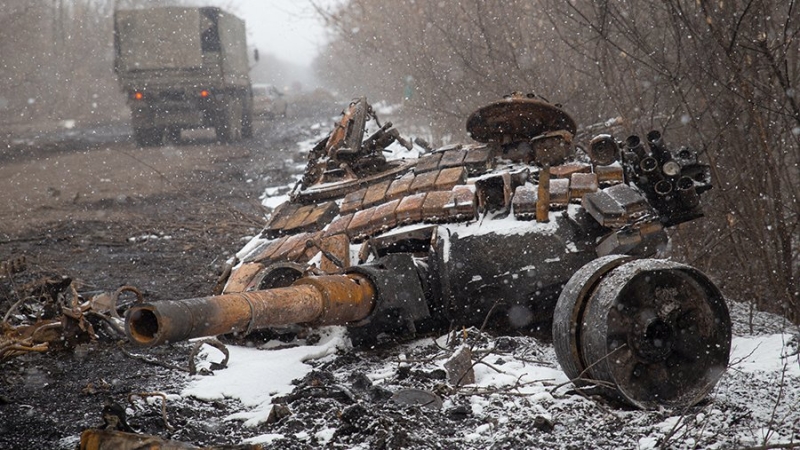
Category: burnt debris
[516,232]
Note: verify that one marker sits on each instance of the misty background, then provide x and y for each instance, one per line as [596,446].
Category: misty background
[721,76]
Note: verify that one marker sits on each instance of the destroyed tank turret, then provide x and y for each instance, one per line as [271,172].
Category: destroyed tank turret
[519,231]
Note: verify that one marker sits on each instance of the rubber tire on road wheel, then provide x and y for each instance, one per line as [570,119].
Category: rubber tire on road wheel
[568,314]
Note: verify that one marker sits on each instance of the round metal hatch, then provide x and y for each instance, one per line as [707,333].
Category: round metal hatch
[517,117]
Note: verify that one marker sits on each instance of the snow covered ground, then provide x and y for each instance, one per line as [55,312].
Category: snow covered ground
[518,386]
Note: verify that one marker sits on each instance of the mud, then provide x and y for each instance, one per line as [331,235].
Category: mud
[88,205]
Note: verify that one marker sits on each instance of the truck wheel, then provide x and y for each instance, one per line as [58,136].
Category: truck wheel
[230,127]
[247,125]
[148,137]
[174,135]
[247,118]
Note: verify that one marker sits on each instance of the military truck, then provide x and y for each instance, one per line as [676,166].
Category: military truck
[183,68]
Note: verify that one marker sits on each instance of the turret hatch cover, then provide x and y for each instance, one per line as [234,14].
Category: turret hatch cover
[517,118]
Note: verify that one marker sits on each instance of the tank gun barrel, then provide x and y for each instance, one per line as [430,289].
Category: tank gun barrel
[324,300]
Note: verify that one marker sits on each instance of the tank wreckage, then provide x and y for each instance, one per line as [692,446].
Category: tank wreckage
[521,230]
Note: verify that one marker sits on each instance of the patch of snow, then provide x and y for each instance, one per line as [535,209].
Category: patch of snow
[275,201]
[764,354]
[266,438]
[255,377]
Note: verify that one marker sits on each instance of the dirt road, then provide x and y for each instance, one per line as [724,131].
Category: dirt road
[101,210]
[91,206]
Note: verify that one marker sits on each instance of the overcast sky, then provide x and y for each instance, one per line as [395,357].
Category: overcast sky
[288,29]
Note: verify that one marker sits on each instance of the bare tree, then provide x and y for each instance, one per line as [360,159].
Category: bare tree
[721,75]
[457,54]
[724,74]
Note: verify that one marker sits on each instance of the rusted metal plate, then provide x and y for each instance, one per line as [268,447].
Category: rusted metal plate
[428,162]
[434,206]
[241,276]
[296,220]
[289,246]
[280,217]
[338,246]
[399,187]
[352,201]
[517,118]
[581,184]
[630,199]
[349,131]
[339,225]
[524,202]
[478,160]
[424,182]
[605,210]
[464,205]
[452,158]
[319,217]
[560,192]
[566,170]
[270,250]
[410,208]
[360,223]
[376,193]
[609,174]
[449,178]
[327,191]
[385,216]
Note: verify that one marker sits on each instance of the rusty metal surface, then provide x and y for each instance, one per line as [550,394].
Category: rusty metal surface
[344,298]
[569,311]
[657,331]
[322,300]
[517,117]
[98,439]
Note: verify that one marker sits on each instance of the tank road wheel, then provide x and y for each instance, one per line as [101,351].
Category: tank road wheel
[651,332]
[570,308]
[148,136]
